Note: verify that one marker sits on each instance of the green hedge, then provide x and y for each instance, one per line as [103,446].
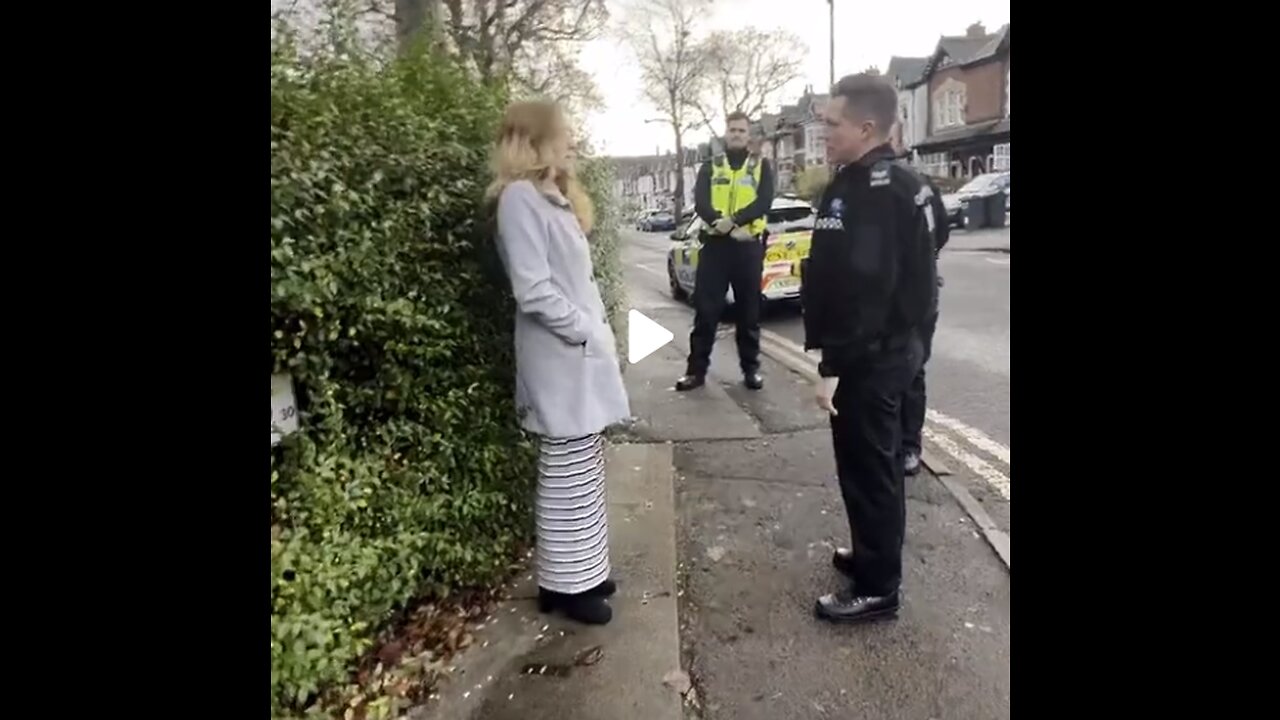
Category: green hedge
[390,310]
[606,246]
[390,314]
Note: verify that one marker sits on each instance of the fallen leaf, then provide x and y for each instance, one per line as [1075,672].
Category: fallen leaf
[716,553]
[590,656]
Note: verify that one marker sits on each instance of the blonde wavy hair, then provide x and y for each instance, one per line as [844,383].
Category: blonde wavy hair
[523,152]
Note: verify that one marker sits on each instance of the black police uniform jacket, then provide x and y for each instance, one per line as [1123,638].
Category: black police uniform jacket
[871,276]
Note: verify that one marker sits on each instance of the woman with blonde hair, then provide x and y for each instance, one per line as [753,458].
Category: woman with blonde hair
[568,382]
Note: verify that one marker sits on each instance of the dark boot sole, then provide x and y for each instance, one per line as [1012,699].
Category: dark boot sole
[874,616]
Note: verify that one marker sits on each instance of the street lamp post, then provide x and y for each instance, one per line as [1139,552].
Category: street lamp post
[831,29]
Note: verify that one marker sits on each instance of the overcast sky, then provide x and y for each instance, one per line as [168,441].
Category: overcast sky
[867,33]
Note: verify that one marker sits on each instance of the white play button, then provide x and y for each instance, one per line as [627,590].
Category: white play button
[644,336]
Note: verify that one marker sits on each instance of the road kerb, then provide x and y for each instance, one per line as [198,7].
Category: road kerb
[789,354]
[793,357]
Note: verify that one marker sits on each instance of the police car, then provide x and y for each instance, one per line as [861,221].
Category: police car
[789,231]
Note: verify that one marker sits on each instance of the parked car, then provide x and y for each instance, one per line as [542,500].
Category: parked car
[789,231]
[980,187]
[661,221]
[642,216]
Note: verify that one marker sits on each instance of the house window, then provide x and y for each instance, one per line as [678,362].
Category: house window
[813,141]
[934,164]
[948,108]
[1000,158]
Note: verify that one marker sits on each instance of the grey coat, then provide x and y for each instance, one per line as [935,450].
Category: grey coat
[568,382]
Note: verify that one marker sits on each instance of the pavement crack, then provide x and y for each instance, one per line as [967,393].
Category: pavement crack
[743,478]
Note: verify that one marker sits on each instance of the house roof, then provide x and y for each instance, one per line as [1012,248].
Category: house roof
[998,42]
[768,123]
[962,49]
[906,69]
[810,105]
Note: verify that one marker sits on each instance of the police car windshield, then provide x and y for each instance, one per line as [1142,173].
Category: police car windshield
[800,217]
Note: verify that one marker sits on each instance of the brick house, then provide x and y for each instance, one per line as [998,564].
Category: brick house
[967,82]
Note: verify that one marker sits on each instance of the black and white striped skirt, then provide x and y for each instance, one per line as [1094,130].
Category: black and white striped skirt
[572,521]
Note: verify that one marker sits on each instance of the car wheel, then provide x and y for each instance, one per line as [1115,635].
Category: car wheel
[677,292]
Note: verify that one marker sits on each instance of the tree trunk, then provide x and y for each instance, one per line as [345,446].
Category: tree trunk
[679,198]
[412,16]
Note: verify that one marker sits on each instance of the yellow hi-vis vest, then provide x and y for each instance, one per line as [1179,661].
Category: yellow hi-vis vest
[732,190]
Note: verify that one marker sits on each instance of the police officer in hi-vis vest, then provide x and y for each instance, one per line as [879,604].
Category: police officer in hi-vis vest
[732,195]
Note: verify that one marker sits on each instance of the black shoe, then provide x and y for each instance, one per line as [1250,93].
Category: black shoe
[690,382]
[753,381]
[604,589]
[583,607]
[911,465]
[843,560]
[847,607]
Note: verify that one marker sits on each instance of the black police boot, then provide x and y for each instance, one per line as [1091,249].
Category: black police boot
[842,558]
[690,382]
[604,589]
[911,465]
[849,607]
[753,381]
[584,607]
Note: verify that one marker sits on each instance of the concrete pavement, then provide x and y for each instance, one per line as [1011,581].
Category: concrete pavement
[723,505]
[758,516]
[523,665]
[758,519]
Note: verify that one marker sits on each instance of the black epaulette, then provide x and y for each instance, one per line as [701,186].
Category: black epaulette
[880,173]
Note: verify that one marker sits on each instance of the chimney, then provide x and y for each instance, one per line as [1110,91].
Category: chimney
[976,30]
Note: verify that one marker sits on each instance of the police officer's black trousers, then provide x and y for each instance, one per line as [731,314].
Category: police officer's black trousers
[913,402]
[723,262]
[866,434]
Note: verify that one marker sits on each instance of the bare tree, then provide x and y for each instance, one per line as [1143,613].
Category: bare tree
[746,70]
[673,66]
[552,70]
[534,43]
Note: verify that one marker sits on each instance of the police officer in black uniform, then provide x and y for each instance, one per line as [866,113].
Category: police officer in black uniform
[870,282]
[913,403]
